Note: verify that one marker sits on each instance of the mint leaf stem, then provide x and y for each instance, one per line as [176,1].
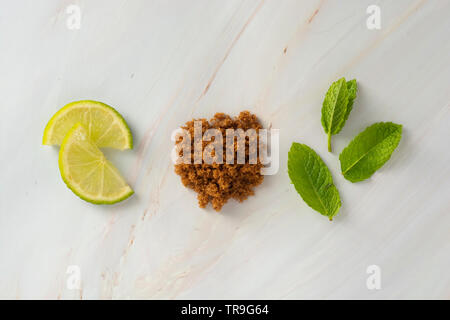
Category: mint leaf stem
[329,142]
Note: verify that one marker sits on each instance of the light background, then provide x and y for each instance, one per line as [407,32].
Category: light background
[161,63]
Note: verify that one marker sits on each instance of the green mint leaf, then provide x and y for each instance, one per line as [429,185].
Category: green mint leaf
[370,150]
[313,180]
[351,88]
[334,108]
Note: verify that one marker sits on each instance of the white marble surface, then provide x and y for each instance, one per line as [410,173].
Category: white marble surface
[160,63]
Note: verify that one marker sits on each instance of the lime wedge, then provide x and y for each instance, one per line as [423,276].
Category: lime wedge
[87,172]
[104,125]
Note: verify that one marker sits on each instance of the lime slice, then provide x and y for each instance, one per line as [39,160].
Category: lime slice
[87,172]
[104,125]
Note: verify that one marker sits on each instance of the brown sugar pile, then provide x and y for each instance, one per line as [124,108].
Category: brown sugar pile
[217,183]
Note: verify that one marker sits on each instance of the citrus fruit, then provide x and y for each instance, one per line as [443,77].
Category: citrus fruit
[87,172]
[105,126]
